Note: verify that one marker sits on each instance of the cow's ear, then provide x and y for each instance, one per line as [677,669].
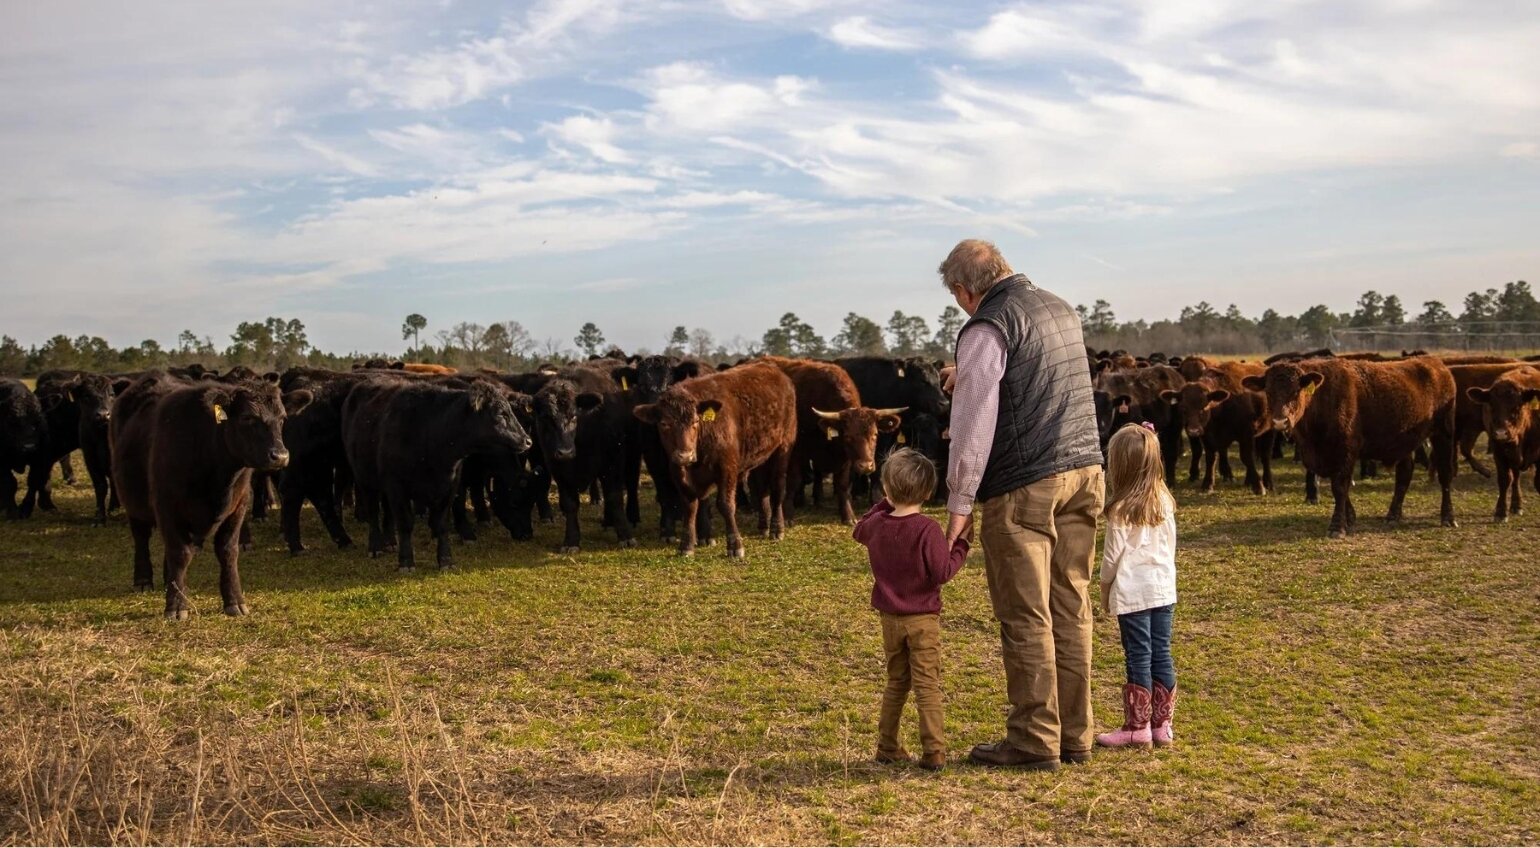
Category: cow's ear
[295,402]
[589,400]
[1532,397]
[647,413]
[1254,383]
[1218,396]
[1478,394]
[708,409]
[271,377]
[624,377]
[522,403]
[121,385]
[1170,397]
[1311,380]
[888,423]
[686,370]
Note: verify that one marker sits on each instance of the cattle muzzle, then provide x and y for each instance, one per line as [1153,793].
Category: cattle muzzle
[277,458]
[1194,431]
[685,457]
[866,467]
[1281,425]
[566,453]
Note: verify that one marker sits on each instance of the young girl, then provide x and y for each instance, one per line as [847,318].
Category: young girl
[1138,583]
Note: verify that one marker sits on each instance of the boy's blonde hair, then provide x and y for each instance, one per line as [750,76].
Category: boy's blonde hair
[1136,478]
[908,477]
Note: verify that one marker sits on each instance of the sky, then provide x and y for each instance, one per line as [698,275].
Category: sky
[717,163]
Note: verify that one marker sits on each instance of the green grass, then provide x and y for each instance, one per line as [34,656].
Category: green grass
[1376,690]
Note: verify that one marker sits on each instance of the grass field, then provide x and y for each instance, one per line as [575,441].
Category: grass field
[1381,689]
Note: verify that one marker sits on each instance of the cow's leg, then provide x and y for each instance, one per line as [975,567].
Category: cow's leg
[727,502]
[39,492]
[1211,454]
[1404,469]
[8,493]
[178,554]
[1517,506]
[227,550]
[670,507]
[291,486]
[1312,488]
[438,525]
[67,468]
[567,493]
[1265,443]
[615,504]
[1468,450]
[1341,495]
[759,495]
[322,495]
[777,481]
[1505,477]
[1195,444]
[633,482]
[259,496]
[687,537]
[543,495]
[461,516]
[101,487]
[1444,459]
[1248,447]
[144,569]
[1170,455]
[398,505]
[841,493]
[1225,472]
[367,502]
[705,534]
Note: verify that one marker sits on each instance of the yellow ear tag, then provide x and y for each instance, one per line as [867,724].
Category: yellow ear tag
[624,386]
[1310,389]
[1535,404]
[709,416]
[219,414]
[902,439]
[833,433]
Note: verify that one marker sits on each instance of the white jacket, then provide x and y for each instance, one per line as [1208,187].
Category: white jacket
[1140,562]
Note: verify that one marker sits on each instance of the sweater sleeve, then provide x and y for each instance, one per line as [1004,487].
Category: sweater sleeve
[863,531]
[942,563]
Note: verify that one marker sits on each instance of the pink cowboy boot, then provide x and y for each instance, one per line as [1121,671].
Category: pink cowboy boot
[1136,720]
[1160,715]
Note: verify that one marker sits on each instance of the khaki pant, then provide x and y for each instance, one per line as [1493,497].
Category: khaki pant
[1039,544]
[913,647]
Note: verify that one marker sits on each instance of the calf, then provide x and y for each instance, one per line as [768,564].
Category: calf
[1341,410]
[649,379]
[1220,412]
[405,441]
[887,383]
[182,457]
[1511,411]
[1138,396]
[63,420]
[582,420]
[1470,415]
[835,433]
[721,428]
[23,445]
[93,395]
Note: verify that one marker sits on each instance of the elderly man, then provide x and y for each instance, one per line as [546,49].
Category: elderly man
[1025,452]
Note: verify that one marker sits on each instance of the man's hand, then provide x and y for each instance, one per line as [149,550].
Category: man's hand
[958,526]
[948,378]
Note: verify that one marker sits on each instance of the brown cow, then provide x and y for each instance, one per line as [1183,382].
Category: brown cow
[835,433]
[720,428]
[1511,409]
[1220,411]
[1475,359]
[182,457]
[428,368]
[1340,411]
[1469,417]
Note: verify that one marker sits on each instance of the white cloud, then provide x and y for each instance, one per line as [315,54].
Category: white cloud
[859,31]
[1521,150]
[551,19]
[439,79]
[346,161]
[596,135]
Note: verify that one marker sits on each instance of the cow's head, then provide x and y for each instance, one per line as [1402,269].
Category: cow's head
[25,429]
[248,419]
[1510,408]
[491,424]
[923,381]
[1289,390]
[558,405]
[926,434]
[654,374]
[1195,403]
[680,419]
[93,396]
[856,431]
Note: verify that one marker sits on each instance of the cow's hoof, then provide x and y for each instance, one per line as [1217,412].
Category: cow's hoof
[736,553]
[777,535]
[571,549]
[406,569]
[237,609]
[1393,520]
[628,543]
[246,547]
[1339,534]
[1450,522]
[299,551]
[178,615]
[708,543]
[446,566]
[375,554]
[687,552]
[1499,519]
[144,587]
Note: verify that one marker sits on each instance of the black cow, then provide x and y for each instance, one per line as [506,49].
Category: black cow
[885,382]
[182,456]
[93,395]
[582,420]
[405,441]
[23,445]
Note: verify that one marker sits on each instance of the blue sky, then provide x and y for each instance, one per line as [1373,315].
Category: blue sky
[717,163]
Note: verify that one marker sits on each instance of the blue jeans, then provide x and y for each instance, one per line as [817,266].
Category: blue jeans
[1147,646]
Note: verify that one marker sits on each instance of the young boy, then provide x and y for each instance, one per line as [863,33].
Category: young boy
[910,561]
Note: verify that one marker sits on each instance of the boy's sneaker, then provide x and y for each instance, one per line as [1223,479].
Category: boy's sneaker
[933,762]
[899,757]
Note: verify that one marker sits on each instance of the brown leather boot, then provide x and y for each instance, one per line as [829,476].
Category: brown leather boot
[1003,754]
[888,758]
[934,761]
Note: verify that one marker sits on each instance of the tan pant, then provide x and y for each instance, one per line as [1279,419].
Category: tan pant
[1039,544]
[913,647]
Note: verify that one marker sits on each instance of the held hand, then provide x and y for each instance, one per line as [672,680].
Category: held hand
[958,526]
[948,378]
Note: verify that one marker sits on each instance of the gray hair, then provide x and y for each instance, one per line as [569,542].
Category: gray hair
[975,265]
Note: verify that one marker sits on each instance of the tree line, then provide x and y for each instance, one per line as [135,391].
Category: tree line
[1509,317]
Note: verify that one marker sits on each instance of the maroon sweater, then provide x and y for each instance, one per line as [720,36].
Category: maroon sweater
[909,559]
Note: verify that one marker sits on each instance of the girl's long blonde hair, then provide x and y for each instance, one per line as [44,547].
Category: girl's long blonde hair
[1136,478]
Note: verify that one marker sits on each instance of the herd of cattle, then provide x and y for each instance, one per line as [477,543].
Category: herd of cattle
[191,452]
